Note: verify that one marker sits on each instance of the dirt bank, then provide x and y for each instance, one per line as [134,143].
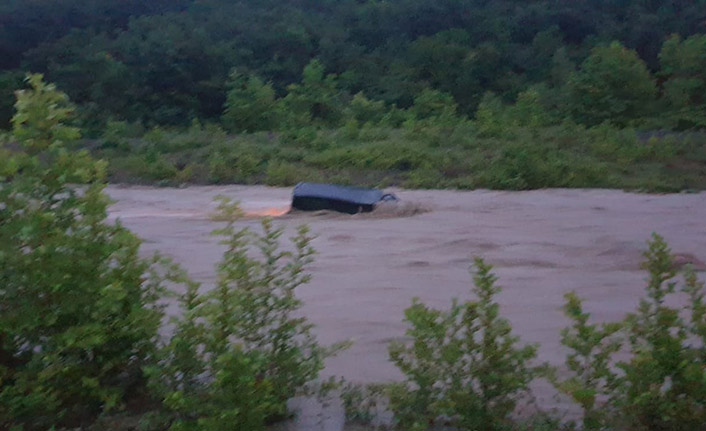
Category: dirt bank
[543,243]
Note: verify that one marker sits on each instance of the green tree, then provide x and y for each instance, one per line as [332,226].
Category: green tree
[363,110]
[250,104]
[683,65]
[433,104]
[167,61]
[561,68]
[78,313]
[613,84]
[9,82]
[317,100]
[491,116]
[529,110]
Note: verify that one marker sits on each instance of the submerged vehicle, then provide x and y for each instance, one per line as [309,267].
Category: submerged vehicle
[345,199]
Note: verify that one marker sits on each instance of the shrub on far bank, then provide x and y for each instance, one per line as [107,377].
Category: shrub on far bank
[288,174]
[563,155]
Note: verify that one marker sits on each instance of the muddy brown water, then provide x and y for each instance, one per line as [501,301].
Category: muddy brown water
[542,243]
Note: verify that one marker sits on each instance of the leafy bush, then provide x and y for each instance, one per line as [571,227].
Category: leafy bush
[205,381]
[387,155]
[232,168]
[429,156]
[664,385]
[316,101]
[490,116]
[529,111]
[78,316]
[196,136]
[433,104]
[117,133]
[9,82]
[428,178]
[523,166]
[300,136]
[158,139]
[363,110]
[250,104]
[613,84]
[370,133]
[683,64]
[149,166]
[362,403]
[288,174]
[160,169]
[661,384]
[463,366]
[241,351]
[592,347]
[266,306]
[351,130]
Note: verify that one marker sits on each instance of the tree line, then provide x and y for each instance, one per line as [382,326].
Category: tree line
[168,62]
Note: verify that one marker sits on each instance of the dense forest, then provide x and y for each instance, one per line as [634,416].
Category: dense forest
[329,77]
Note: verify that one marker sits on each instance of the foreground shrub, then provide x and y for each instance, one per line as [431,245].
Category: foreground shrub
[463,366]
[78,317]
[204,381]
[662,383]
[240,351]
[591,349]
[362,403]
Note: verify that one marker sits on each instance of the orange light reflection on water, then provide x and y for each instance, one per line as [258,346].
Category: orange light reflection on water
[268,212]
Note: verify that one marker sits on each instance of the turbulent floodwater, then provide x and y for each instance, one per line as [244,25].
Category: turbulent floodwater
[542,243]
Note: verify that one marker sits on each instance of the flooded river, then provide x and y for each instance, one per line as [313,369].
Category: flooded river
[542,244]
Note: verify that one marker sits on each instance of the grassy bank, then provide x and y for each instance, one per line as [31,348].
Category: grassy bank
[416,154]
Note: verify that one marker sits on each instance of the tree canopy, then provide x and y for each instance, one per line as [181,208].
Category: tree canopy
[169,61]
